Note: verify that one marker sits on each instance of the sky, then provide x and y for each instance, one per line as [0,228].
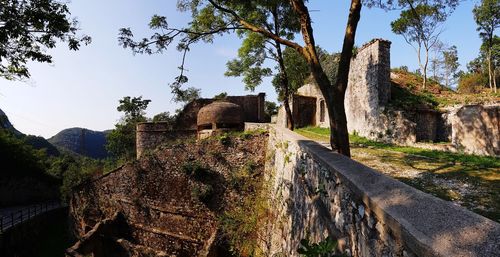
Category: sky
[82,88]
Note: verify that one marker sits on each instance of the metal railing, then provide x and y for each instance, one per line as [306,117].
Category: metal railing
[16,217]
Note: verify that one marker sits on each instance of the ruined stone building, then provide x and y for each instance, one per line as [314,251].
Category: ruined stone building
[473,129]
[248,108]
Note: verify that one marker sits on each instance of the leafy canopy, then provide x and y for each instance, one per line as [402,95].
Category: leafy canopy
[28,28]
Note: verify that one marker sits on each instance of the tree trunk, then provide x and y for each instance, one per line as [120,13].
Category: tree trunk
[289,118]
[494,80]
[334,97]
[490,73]
[425,66]
[343,76]
[283,75]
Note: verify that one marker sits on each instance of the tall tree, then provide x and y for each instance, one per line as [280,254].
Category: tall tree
[450,66]
[120,142]
[487,16]
[419,24]
[256,49]
[216,17]
[28,28]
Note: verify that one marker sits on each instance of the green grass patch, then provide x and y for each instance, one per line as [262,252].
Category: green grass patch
[479,162]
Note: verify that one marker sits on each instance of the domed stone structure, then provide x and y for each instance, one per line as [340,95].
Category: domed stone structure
[219,116]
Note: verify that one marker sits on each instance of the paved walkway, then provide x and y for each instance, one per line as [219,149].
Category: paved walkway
[14,215]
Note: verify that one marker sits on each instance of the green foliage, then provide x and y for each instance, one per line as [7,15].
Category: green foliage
[249,64]
[487,17]
[220,96]
[419,23]
[20,159]
[474,161]
[403,98]
[224,139]
[30,27]
[271,108]
[202,192]
[450,66]
[120,142]
[165,117]
[194,169]
[242,222]
[133,108]
[325,248]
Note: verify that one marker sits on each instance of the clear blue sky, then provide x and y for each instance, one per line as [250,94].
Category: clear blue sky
[82,89]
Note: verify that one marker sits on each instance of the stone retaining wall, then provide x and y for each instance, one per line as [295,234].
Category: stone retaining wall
[317,193]
[150,135]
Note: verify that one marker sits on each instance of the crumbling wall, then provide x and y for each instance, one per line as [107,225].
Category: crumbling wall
[317,193]
[475,129]
[170,200]
[150,135]
[252,105]
[368,90]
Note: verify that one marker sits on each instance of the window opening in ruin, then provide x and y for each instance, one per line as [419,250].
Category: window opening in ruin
[206,126]
[228,125]
[322,111]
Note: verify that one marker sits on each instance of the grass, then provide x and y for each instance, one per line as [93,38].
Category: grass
[476,161]
[470,180]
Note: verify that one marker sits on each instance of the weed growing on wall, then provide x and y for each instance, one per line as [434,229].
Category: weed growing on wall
[242,223]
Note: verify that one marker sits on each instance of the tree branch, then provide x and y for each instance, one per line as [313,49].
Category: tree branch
[256,28]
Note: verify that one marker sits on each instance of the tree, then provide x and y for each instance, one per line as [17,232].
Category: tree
[256,48]
[120,142]
[420,27]
[450,66]
[216,17]
[133,108]
[28,28]
[487,17]
[436,60]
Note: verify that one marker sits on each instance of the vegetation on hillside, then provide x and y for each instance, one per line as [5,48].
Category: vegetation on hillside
[407,94]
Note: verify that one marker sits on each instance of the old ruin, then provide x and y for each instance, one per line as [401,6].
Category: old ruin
[249,107]
[219,117]
[473,129]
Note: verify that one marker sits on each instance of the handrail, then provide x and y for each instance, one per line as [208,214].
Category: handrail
[17,217]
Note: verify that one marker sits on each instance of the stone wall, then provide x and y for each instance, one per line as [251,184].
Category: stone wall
[317,193]
[252,105]
[167,203]
[475,129]
[150,135]
[368,89]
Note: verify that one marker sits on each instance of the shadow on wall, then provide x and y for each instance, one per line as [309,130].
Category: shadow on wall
[476,129]
[324,193]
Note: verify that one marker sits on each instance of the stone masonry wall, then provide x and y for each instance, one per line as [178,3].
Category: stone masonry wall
[475,129]
[317,193]
[150,135]
[369,90]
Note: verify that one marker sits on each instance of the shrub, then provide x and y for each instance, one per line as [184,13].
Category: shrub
[471,83]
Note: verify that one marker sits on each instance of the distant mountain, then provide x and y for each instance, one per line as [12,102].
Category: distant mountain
[35,141]
[82,141]
[5,124]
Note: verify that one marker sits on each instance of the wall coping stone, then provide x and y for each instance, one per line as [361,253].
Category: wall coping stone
[428,225]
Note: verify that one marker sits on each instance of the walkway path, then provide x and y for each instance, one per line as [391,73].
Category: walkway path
[465,185]
[12,216]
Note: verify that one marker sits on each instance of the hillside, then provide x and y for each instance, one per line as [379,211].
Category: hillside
[407,93]
[5,124]
[35,141]
[82,141]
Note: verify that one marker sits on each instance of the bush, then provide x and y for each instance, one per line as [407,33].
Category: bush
[471,83]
